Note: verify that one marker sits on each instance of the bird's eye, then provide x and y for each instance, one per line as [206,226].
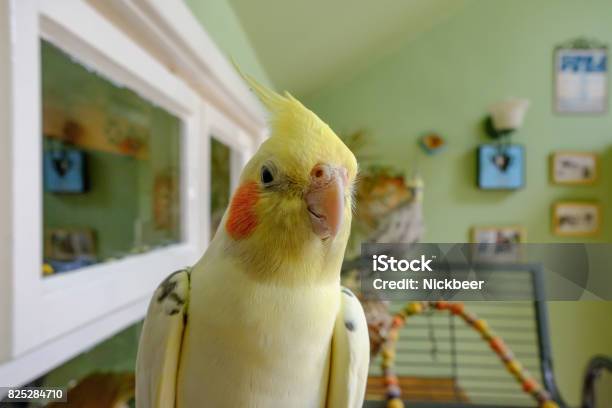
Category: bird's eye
[266,175]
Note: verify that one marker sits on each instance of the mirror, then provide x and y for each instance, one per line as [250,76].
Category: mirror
[111,168]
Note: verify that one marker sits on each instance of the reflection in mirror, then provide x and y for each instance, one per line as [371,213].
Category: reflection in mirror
[111,168]
[220,156]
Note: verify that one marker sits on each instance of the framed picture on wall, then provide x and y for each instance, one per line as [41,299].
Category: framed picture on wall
[501,167]
[64,171]
[69,244]
[581,77]
[574,167]
[573,218]
[498,243]
[510,234]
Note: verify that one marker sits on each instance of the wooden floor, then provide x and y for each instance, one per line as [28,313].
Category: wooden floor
[419,389]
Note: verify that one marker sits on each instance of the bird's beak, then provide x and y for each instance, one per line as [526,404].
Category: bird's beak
[325,199]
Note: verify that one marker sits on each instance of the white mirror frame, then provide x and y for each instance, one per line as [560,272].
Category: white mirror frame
[219,127]
[50,320]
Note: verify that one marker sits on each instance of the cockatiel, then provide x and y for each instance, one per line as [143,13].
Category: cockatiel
[261,319]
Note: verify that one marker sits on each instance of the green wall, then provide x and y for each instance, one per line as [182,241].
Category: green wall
[222,24]
[443,80]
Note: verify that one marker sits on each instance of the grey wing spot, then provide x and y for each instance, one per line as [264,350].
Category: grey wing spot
[168,285]
[166,289]
[177,298]
[349,325]
[170,295]
[347,292]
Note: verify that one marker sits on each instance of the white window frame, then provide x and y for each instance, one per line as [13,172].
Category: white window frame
[218,126]
[51,319]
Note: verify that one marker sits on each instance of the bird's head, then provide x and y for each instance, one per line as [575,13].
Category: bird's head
[293,206]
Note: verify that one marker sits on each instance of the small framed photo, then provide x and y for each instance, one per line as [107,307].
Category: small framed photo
[511,234]
[501,167]
[69,244]
[498,243]
[576,218]
[574,167]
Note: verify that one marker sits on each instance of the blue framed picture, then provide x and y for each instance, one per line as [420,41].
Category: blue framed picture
[64,171]
[501,167]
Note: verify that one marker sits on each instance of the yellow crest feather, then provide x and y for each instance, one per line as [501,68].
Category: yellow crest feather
[268,97]
[291,122]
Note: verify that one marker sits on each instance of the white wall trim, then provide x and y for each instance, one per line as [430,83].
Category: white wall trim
[37,362]
[6,184]
[44,310]
[194,56]
[75,27]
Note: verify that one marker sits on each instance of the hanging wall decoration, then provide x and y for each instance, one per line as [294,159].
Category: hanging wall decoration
[165,195]
[576,218]
[68,244]
[501,165]
[432,143]
[64,165]
[498,243]
[581,77]
[507,234]
[574,167]
[66,249]
[64,170]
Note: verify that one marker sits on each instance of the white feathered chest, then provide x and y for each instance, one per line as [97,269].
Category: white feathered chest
[249,344]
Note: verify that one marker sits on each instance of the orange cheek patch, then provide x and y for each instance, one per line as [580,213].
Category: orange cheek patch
[242,218]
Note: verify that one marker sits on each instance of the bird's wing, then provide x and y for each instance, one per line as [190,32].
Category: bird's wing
[159,349]
[350,355]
